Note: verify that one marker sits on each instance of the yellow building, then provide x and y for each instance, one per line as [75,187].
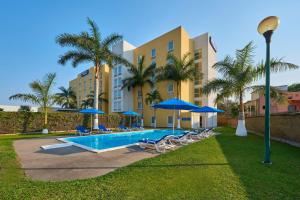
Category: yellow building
[84,85]
[177,42]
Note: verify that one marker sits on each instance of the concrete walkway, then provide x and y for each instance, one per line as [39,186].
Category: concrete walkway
[71,163]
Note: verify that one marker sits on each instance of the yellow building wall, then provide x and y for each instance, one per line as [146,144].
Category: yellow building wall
[83,86]
[182,45]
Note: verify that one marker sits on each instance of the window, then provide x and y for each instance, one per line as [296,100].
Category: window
[152,120]
[170,45]
[115,94]
[139,93]
[119,82]
[115,82]
[170,88]
[119,94]
[140,106]
[119,70]
[139,58]
[115,106]
[153,53]
[153,62]
[197,92]
[197,54]
[170,121]
[115,71]
[169,61]
[119,105]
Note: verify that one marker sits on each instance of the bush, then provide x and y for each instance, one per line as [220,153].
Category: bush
[24,122]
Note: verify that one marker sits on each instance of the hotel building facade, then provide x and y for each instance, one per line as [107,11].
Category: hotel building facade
[177,42]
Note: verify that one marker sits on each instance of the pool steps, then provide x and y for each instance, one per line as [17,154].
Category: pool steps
[54,146]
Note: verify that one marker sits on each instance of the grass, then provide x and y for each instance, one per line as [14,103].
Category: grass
[221,167]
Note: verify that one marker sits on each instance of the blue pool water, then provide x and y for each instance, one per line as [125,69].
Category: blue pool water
[114,140]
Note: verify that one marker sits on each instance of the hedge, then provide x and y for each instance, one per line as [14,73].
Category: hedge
[25,122]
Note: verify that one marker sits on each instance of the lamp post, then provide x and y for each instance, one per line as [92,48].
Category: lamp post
[266,27]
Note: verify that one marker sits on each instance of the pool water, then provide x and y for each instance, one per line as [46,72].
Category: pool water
[104,142]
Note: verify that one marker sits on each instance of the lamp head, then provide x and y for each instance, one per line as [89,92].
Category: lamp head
[268,24]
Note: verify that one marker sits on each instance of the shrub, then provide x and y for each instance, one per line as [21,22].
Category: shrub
[23,122]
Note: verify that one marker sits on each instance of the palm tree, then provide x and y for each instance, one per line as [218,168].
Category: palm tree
[90,98]
[66,98]
[140,76]
[153,97]
[86,103]
[237,76]
[41,95]
[178,70]
[90,47]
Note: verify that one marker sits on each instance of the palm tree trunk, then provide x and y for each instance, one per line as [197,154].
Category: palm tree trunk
[96,94]
[142,118]
[154,114]
[241,128]
[45,116]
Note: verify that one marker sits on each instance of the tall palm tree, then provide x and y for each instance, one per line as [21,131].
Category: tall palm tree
[101,99]
[178,70]
[90,47]
[153,97]
[66,98]
[237,76]
[140,76]
[41,95]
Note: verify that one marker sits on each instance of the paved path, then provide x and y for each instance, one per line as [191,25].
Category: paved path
[71,163]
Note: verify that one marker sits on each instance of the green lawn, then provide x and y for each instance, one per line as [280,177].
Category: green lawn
[221,167]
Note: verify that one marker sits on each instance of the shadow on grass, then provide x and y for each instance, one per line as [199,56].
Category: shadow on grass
[244,155]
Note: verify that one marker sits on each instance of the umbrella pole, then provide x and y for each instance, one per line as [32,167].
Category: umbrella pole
[173,121]
[91,122]
[130,121]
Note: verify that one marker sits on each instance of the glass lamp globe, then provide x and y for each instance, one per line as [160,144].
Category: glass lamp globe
[268,24]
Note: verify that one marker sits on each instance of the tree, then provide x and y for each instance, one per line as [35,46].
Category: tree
[66,98]
[90,99]
[41,95]
[178,70]
[153,97]
[237,75]
[140,76]
[90,47]
[294,87]
[86,103]
[24,109]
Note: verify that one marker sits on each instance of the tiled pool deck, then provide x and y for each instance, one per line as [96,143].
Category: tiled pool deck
[71,163]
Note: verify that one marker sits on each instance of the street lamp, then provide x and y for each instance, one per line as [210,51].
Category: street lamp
[266,27]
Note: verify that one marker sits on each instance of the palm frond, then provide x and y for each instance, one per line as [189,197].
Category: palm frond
[244,57]
[276,65]
[215,85]
[95,31]
[26,98]
[76,56]
[111,40]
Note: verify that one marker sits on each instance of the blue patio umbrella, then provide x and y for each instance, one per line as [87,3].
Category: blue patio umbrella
[175,104]
[91,111]
[207,109]
[130,114]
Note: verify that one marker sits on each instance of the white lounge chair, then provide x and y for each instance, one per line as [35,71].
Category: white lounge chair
[184,139]
[160,145]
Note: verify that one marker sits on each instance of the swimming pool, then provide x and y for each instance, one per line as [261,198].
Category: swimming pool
[107,142]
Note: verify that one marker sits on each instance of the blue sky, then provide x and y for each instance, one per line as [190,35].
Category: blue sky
[28,30]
